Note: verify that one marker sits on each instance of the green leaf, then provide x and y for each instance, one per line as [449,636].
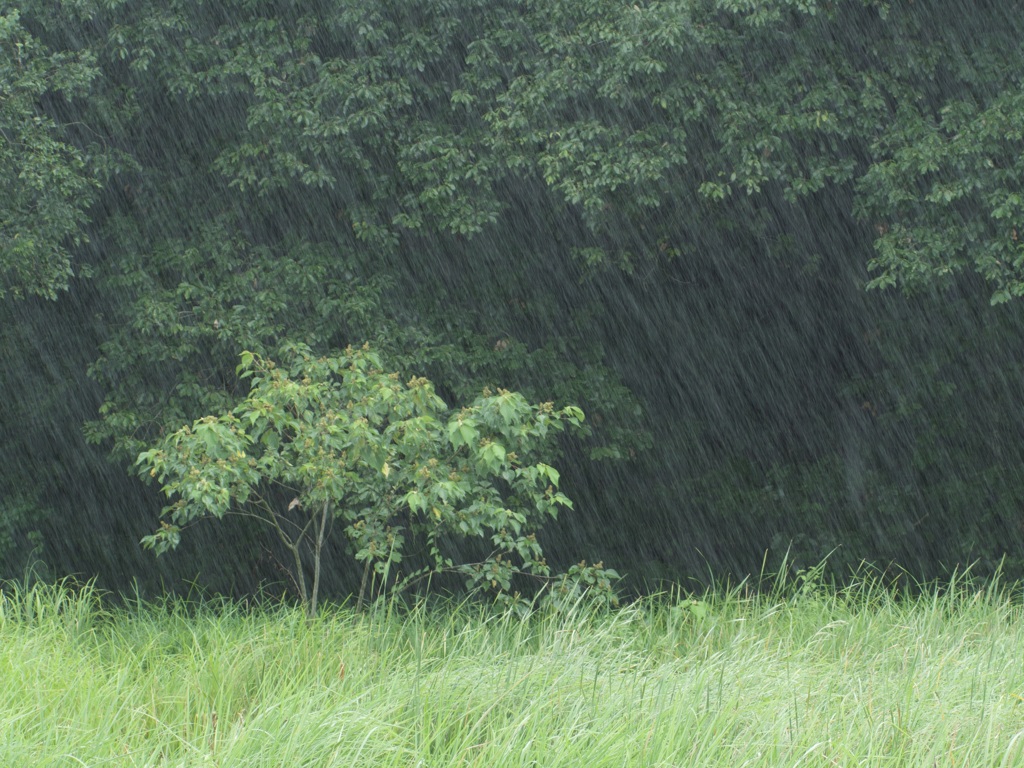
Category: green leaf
[549,472]
[463,432]
[415,501]
[246,362]
[492,456]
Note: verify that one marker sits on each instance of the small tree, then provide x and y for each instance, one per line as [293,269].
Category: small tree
[336,437]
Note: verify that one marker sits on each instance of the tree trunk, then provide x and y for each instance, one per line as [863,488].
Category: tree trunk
[317,549]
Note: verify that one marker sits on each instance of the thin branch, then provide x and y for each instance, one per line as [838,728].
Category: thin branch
[280,532]
[281,568]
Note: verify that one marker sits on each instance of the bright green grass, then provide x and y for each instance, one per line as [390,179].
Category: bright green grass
[858,678]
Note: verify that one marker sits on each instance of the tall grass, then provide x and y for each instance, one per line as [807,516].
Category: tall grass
[795,677]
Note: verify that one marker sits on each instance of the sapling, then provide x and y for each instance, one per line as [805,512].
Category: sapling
[325,438]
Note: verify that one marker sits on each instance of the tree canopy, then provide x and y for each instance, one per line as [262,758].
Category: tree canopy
[46,179]
[664,212]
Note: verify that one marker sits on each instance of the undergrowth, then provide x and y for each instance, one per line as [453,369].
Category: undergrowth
[796,674]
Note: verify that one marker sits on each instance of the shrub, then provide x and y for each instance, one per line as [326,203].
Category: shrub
[324,438]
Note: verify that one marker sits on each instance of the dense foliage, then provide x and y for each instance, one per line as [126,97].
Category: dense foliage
[347,441]
[665,212]
[46,178]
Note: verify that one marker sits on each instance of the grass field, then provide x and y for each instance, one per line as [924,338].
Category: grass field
[810,677]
